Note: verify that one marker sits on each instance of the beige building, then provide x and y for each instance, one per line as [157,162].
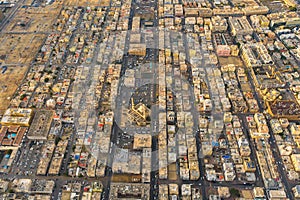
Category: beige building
[296,161]
[178,10]
[137,49]
[142,141]
[240,26]
[40,125]
[139,113]
[223,192]
[296,191]
[136,23]
[17,116]
[218,24]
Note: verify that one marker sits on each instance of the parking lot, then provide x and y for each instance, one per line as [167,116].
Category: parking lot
[29,159]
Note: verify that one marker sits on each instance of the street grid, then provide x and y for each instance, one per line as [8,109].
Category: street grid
[20,44]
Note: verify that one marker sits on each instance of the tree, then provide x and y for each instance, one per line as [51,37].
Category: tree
[10,191]
[292,8]
[234,192]
[83,149]
[22,97]
[57,140]
[148,118]
[281,134]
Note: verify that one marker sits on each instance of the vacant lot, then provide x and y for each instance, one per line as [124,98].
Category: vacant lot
[9,82]
[28,2]
[88,2]
[19,48]
[34,19]
[127,178]
[230,60]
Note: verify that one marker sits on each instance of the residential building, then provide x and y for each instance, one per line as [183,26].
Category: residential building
[240,26]
[218,24]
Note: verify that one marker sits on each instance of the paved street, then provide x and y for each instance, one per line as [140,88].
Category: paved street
[214,85]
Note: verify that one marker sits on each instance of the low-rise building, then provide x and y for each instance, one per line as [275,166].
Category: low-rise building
[240,26]
[248,164]
[40,125]
[250,52]
[129,191]
[255,10]
[178,10]
[296,161]
[258,192]
[218,24]
[17,116]
[224,192]
[137,49]
[224,44]
[277,194]
[296,191]
[142,141]
[287,19]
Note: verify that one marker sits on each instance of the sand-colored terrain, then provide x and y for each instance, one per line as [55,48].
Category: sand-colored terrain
[34,19]
[230,60]
[19,48]
[87,2]
[9,82]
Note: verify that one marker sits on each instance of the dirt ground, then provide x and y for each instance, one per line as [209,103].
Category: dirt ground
[34,19]
[19,48]
[9,82]
[230,60]
[28,2]
[127,178]
[87,2]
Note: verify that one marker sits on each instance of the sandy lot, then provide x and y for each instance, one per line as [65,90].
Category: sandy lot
[230,60]
[34,19]
[87,2]
[19,48]
[9,82]
[28,2]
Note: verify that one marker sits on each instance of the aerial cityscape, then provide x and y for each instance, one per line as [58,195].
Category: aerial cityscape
[150,99]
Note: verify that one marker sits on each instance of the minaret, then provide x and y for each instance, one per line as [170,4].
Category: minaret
[132,104]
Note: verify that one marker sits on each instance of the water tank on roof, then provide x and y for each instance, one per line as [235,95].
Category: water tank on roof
[226,156]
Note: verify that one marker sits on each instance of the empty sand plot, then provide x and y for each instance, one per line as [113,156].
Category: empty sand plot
[87,2]
[9,82]
[28,2]
[19,48]
[34,19]
[230,60]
